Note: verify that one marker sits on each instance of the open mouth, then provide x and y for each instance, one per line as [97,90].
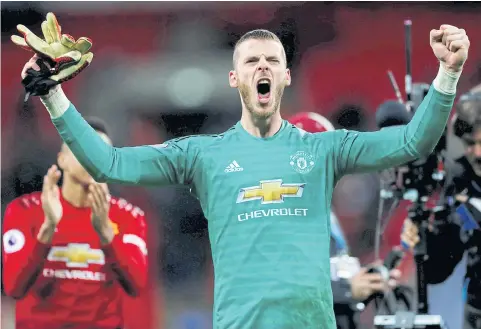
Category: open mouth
[264,90]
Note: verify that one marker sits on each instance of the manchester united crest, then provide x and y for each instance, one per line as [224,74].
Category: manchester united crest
[302,162]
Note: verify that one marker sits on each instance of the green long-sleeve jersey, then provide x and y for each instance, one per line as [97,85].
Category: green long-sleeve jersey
[267,201]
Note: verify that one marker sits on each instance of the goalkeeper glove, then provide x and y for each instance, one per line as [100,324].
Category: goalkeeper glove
[66,56]
[38,83]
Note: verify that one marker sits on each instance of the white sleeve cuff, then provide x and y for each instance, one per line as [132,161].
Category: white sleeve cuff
[446,81]
[56,102]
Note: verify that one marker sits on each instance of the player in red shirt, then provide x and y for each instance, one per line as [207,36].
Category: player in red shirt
[71,253]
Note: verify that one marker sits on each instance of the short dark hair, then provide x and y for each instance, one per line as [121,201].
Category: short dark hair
[98,125]
[258,34]
[468,114]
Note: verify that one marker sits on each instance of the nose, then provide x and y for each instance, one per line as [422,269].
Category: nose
[263,64]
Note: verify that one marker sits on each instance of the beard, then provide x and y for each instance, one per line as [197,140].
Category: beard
[257,110]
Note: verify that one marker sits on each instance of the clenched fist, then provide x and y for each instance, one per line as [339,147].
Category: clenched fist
[450,45]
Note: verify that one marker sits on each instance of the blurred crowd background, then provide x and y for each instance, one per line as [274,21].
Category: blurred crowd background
[160,71]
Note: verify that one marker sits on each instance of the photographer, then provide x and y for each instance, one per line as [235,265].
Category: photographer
[456,230]
[350,292]
[351,284]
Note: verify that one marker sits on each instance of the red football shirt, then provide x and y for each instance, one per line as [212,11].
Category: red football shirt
[75,282]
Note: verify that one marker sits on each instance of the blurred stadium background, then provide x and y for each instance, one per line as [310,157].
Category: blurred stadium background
[160,71]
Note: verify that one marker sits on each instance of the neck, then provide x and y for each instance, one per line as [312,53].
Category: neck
[261,127]
[74,193]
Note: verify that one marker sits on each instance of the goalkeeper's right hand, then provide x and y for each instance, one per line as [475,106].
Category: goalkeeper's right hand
[60,58]
[36,72]
[60,49]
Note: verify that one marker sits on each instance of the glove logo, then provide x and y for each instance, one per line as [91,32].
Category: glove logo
[302,162]
[13,241]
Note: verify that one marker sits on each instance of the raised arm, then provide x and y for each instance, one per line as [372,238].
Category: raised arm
[163,164]
[393,146]
[365,152]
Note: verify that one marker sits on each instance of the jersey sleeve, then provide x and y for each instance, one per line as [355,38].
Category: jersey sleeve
[360,152]
[170,163]
[23,255]
[127,253]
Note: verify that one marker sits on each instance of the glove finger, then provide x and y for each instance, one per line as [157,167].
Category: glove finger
[19,41]
[33,41]
[26,32]
[67,59]
[39,46]
[88,57]
[73,70]
[83,44]
[46,32]
[54,27]
[23,30]
[68,41]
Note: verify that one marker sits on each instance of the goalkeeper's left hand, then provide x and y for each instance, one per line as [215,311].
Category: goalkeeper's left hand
[59,57]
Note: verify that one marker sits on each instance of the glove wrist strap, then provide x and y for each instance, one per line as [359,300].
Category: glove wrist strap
[446,81]
[56,102]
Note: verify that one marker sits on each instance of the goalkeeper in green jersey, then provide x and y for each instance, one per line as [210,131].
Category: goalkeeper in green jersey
[265,186]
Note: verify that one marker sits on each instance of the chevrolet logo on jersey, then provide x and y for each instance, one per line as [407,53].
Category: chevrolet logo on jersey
[270,191]
[76,255]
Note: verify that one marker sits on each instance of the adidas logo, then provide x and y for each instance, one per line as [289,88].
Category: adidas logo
[234,166]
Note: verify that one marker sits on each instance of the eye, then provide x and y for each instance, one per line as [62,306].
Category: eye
[274,60]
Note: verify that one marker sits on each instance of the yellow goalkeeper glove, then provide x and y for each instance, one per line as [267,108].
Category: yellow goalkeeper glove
[66,56]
